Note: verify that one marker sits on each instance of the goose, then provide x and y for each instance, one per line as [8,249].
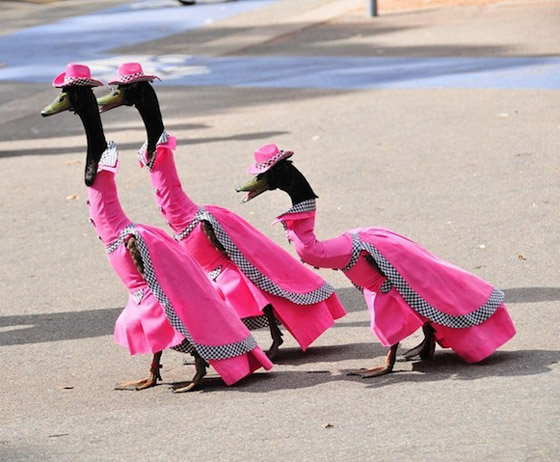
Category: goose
[168,292]
[260,280]
[405,286]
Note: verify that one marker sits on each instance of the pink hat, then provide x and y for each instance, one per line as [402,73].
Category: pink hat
[131,73]
[76,74]
[267,156]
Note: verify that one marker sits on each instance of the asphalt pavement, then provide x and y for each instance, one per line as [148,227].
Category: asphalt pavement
[436,119]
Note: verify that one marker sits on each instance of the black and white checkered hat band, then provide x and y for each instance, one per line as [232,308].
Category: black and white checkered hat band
[81,82]
[208,352]
[274,159]
[257,277]
[134,77]
[417,303]
[163,139]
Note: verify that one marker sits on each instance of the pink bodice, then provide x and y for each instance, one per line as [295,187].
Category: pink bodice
[175,206]
[109,219]
[105,211]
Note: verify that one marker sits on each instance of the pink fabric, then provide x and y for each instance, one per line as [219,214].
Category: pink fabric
[445,286]
[305,323]
[143,327]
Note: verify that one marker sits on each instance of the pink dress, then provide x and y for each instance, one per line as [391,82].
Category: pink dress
[173,305]
[256,272]
[467,313]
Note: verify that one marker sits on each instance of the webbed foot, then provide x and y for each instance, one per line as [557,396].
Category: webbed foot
[201,367]
[150,381]
[373,372]
[379,370]
[426,348]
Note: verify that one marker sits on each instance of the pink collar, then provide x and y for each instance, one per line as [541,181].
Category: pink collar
[166,141]
[109,160]
[299,211]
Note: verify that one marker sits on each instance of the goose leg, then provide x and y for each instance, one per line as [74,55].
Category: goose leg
[379,370]
[201,367]
[426,348]
[148,382]
[275,332]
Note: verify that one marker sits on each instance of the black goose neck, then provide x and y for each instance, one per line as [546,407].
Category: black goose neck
[148,107]
[91,120]
[296,185]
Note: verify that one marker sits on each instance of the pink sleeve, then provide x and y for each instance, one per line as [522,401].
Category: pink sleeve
[332,253]
[106,213]
[176,207]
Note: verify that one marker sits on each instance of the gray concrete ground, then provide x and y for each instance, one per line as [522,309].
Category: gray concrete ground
[471,174]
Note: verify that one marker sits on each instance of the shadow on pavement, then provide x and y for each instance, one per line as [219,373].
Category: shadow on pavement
[532,294]
[53,327]
[134,146]
[448,366]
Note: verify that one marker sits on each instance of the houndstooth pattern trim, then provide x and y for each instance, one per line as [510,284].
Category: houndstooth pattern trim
[127,231]
[356,250]
[138,296]
[163,139]
[256,322]
[207,352]
[184,347]
[192,225]
[109,157]
[304,206]
[259,279]
[421,306]
[81,82]
[135,77]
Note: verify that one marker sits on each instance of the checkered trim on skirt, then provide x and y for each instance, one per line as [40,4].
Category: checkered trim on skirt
[207,352]
[184,347]
[257,322]
[163,139]
[259,279]
[421,306]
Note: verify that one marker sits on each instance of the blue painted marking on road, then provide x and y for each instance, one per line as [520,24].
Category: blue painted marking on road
[367,73]
[37,54]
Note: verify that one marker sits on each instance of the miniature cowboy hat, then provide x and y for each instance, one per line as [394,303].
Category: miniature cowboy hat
[76,74]
[266,157]
[131,73]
